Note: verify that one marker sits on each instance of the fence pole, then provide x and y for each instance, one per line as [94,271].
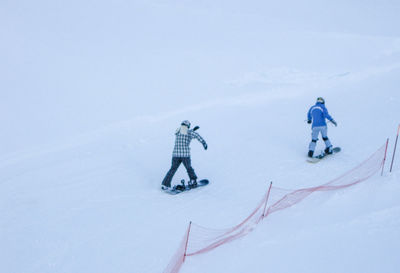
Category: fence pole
[266,201]
[187,241]
[384,158]
[394,150]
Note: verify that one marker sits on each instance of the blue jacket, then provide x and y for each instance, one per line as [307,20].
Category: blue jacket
[318,113]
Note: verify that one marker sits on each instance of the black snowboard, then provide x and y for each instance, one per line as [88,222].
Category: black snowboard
[317,158]
[185,187]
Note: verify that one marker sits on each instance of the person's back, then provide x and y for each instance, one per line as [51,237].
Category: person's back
[183,137]
[318,114]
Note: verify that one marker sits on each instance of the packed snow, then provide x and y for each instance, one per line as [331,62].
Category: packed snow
[92,93]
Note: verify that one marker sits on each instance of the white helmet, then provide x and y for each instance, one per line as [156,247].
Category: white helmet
[186,123]
[321,100]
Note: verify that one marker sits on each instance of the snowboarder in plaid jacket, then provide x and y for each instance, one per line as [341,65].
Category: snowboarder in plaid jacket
[181,154]
[317,115]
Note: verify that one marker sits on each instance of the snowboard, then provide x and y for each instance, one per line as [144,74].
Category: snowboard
[176,190]
[323,155]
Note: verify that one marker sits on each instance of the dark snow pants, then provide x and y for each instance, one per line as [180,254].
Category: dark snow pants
[176,161]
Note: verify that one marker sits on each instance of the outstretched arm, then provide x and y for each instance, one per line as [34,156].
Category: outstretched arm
[329,116]
[309,116]
[200,139]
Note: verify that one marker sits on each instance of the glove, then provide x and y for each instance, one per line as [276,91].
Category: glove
[196,128]
[309,121]
[334,122]
[205,146]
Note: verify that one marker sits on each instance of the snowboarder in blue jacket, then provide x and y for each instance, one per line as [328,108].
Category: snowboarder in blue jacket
[181,154]
[317,115]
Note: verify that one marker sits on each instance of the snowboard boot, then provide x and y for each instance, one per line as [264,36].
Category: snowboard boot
[192,183]
[328,150]
[310,153]
[165,188]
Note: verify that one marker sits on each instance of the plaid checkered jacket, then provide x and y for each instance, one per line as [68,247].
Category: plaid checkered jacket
[182,142]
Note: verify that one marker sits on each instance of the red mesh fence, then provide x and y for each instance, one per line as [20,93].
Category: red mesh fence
[200,239]
[360,173]
[179,258]
[205,239]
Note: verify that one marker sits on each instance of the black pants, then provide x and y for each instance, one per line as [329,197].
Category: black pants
[176,161]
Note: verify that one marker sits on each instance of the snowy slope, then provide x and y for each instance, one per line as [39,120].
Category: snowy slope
[92,93]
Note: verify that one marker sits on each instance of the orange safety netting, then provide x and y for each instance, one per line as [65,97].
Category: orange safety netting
[200,239]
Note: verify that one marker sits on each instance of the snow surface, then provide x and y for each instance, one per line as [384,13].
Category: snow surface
[91,93]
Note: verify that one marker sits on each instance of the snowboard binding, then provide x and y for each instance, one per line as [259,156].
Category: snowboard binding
[181,187]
